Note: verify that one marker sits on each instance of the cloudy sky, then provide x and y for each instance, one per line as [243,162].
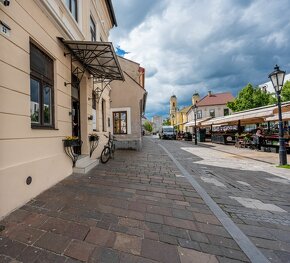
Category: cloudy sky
[200,45]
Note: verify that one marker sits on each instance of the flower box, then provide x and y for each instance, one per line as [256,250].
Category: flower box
[93,138]
[71,143]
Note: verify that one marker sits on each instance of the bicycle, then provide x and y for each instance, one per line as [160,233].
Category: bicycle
[109,149]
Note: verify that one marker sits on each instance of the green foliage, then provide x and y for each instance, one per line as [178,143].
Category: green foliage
[250,97]
[166,122]
[286,91]
[147,126]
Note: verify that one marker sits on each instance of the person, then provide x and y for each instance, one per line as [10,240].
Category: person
[258,139]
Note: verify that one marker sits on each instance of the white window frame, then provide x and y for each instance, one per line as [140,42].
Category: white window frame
[129,124]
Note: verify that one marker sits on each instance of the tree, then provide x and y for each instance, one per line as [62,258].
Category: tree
[250,97]
[148,126]
[286,91]
[166,122]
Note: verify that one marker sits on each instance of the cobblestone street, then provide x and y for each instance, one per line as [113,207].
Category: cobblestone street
[140,208]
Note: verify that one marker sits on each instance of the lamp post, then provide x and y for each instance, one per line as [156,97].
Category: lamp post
[277,78]
[195,116]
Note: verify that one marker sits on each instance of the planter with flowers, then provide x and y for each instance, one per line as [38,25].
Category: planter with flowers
[69,143]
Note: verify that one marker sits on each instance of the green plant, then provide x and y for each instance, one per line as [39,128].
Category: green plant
[286,166]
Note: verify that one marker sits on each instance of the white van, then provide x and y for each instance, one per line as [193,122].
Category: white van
[167,132]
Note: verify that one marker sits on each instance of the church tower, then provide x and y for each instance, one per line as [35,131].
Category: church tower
[195,98]
[173,109]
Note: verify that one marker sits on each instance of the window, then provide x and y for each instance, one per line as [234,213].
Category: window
[104,115]
[41,88]
[72,5]
[120,122]
[199,114]
[94,110]
[226,112]
[93,29]
[212,113]
[94,100]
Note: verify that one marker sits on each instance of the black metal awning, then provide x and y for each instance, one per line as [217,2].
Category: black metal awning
[98,58]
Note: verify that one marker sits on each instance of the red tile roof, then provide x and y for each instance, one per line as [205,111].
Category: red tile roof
[215,99]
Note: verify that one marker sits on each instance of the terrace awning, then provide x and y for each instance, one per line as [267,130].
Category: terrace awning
[198,122]
[98,58]
[252,116]
[285,117]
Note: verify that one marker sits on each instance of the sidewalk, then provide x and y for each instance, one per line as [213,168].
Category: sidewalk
[259,160]
[136,208]
[268,157]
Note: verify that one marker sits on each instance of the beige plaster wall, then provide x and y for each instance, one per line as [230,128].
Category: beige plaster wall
[127,95]
[33,152]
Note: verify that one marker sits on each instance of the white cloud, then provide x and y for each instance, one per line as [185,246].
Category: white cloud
[191,45]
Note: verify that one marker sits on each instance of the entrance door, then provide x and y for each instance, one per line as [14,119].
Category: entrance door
[76,121]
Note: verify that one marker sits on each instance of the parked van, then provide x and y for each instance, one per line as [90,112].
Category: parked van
[167,132]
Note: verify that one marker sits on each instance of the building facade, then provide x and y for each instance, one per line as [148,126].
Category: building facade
[157,123]
[50,91]
[173,110]
[127,110]
[210,106]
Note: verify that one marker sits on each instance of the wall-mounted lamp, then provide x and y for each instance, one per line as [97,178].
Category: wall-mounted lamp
[5,2]
[72,112]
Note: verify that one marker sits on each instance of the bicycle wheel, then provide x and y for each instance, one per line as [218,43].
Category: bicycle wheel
[105,155]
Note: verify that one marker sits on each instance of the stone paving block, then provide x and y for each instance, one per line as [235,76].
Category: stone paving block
[159,210]
[229,260]
[35,220]
[212,229]
[137,206]
[4,259]
[129,222]
[168,239]
[270,254]
[55,225]
[127,243]
[49,257]
[188,244]
[154,218]
[153,227]
[29,254]
[223,251]
[53,242]
[174,231]
[134,215]
[160,252]
[76,231]
[151,235]
[198,236]
[193,256]
[71,260]
[223,241]
[283,256]
[181,223]
[79,250]
[135,232]
[207,219]
[100,236]
[24,234]
[11,248]
[18,216]
[182,214]
[271,244]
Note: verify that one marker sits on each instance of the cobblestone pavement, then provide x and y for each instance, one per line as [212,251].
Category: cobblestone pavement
[137,208]
[255,198]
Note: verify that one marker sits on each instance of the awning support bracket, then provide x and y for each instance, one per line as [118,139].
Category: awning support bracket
[102,85]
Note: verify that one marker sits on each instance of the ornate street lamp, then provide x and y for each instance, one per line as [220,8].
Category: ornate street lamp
[195,116]
[277,78]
